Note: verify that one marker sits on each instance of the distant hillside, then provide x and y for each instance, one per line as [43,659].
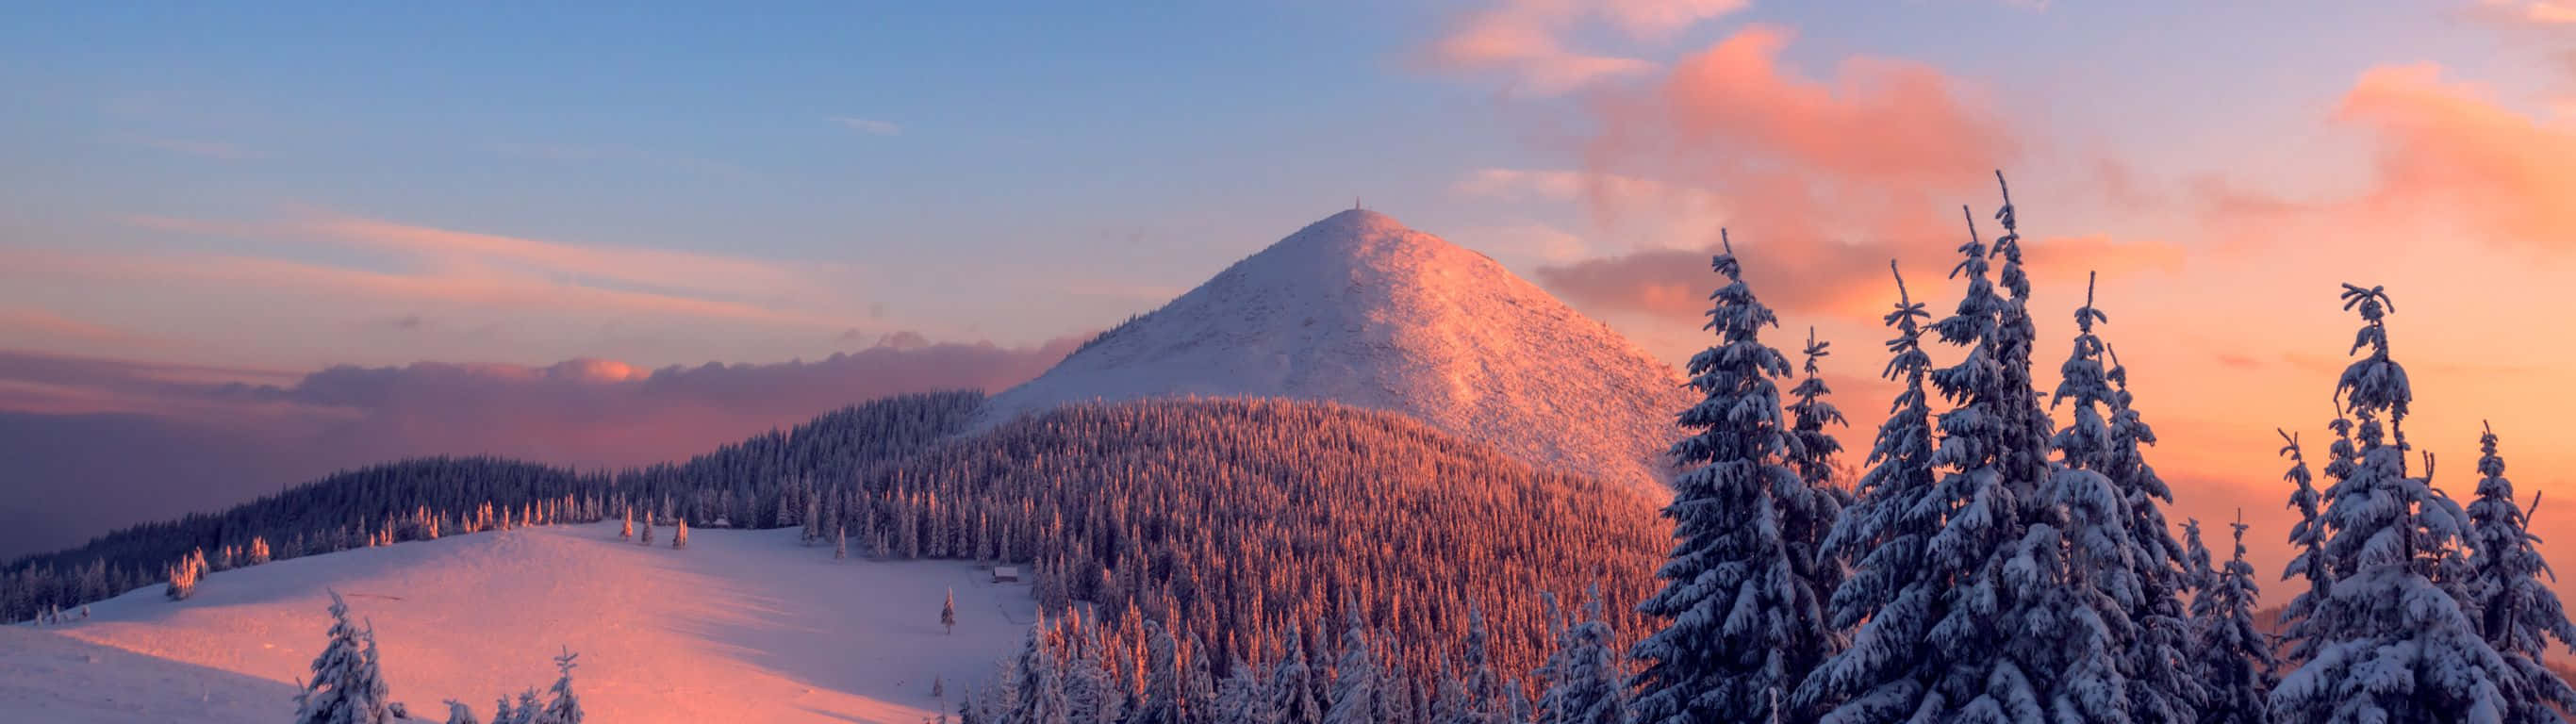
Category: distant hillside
[1359,310]
[1242,518]
[738,482]
[1234,521]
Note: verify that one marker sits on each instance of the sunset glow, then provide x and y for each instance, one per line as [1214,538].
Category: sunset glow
[241,249]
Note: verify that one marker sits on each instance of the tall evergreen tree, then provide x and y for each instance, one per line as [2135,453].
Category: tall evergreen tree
[2309,535]
[1044,694]
[1355,682]
[2392,644]
[1586,686]
[2078,569]
[1241,698]
[1812,450]
[1891,594]
[948,612]
[1198,684]
[2233,659]
[1484,702]
[2156,659]
[1291,690]
[1161,702]
[1093,691]
[1957,623]
[2517,613]
[346,687]
[1742,622]
[1814,453]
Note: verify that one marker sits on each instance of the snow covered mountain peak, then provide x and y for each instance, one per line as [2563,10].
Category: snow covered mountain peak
[1361,310]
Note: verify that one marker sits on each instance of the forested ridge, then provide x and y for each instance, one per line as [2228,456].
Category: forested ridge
[425,497]
[1233,522]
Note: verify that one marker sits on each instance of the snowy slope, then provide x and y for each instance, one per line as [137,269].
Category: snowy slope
[1358,309]
[741,626]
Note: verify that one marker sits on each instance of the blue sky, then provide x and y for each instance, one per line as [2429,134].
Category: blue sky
[1126,145]
[982,161]
[256,192]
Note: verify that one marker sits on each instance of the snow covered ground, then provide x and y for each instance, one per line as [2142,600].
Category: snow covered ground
[741,626]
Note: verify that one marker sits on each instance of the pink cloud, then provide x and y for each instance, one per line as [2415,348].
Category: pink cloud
[1823,181]
[1526,39]
[2445,145]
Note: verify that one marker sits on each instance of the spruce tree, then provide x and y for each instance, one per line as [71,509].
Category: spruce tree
[1586,686]
[626,525]
[1742,621]
[565,708]
[2517,613]
[530,710]
[1198,683]
[1484,702]
[948,612]
[1291,689]
[2155,661]
[1161,702]
[1452,706]
[1355,682]
[679,534]
[185,574]
[2080,568]
[1089,687]
[459,713]
[1241,698]
[346,687]
[2234,660]
[2391,643]
[1990,487]
[1812,451]
[1044,696]
[1891,594]
[2309,535]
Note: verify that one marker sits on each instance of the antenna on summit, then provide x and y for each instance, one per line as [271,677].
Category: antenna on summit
[1355,204]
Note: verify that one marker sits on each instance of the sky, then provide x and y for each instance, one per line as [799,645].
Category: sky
[266,244]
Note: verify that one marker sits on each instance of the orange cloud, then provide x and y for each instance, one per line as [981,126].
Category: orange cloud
[2445,147]
[2071,258]
[1823,181]
[2538,12]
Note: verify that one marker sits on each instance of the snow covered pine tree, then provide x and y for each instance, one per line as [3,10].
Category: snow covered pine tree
[2390,644]
[1891,593]
[1744,627]
[2235,662]
[346,686]
[2516,612]
[1586,686]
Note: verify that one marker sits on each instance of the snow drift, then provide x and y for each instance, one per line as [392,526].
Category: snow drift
[741,626]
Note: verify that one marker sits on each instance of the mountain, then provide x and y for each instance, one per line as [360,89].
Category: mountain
[1359,309]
